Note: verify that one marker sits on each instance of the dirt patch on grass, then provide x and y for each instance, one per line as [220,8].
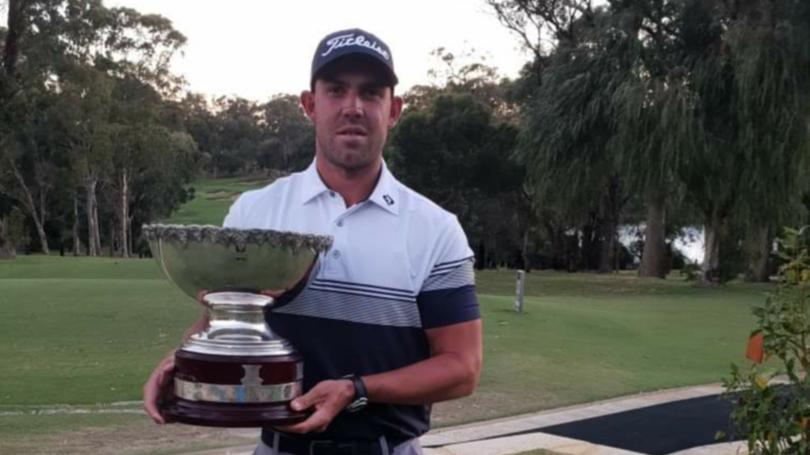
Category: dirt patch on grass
[222,195]
[136,437]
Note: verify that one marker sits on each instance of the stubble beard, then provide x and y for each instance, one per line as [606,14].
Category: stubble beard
[350,161]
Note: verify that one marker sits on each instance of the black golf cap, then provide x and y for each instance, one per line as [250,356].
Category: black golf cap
[353,42]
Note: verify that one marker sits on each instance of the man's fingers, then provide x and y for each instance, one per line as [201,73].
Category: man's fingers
[317,422]
[306,400]
[157,387]
[151,392]
[166,374]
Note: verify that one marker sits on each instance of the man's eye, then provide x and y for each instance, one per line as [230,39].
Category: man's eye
[334,90]
[372,93]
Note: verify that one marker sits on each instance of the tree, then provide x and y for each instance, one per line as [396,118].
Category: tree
[451,145]
[288,136]
[152,158]
[569,129]
[19,126]
[74,54]
[84,114]
[238,135]
[770,56]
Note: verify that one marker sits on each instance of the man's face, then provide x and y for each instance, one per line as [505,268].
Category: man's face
[352,110]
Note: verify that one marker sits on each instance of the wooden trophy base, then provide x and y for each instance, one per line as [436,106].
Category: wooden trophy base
[235,391]
[231,416]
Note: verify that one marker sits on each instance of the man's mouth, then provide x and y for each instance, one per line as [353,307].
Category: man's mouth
[352,131]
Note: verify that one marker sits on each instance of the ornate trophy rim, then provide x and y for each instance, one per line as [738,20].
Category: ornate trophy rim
[206,233]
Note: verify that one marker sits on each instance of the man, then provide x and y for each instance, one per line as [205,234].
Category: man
[388,322]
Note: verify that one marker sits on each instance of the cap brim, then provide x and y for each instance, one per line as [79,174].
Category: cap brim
[350,61]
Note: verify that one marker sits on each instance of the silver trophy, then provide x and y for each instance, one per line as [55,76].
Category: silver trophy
[236,372]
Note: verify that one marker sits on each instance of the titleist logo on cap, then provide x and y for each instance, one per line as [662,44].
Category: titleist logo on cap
[350,40]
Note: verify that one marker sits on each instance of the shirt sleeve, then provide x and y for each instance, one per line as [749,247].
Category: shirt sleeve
[447,295]
[234,217]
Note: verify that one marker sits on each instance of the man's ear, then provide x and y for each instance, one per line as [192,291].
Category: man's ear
[396,111]
[308,103]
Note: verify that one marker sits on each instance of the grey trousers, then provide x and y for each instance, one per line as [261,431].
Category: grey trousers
[411,447]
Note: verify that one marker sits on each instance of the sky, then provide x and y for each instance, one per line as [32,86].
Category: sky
[257,48]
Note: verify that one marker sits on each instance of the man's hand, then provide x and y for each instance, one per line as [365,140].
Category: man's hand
[158,387]
[328,398]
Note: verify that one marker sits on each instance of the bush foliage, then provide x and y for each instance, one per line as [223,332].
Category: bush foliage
[774,415]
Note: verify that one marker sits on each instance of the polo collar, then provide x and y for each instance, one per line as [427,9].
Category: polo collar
[384,195]
[313,185]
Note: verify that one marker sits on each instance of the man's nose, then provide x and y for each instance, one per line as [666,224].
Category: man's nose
[353,106]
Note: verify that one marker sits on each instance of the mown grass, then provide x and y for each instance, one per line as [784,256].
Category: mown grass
[84,332]
[588,337]
[212,198]
[88,330]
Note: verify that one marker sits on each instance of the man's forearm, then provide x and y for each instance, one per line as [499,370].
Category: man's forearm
[450,372]
[440,378]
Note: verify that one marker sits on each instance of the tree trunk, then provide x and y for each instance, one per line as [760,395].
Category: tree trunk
[96,224]
[31,207]
[557,261]
[129,236]
[524,250]
[711,250]
[124,213]
[608,225]
[7,250]
[77,241]
[93,244]
[758,244]
[16,28]
[606,245]
[113,239]
[588,248]
[653,257]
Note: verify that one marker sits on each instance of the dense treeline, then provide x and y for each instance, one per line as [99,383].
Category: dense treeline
[97,136]
[663,114]
[669,112]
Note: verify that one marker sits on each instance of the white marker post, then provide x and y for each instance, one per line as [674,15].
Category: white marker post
[520,280]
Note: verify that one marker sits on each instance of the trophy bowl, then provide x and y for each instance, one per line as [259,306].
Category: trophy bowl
[236,372]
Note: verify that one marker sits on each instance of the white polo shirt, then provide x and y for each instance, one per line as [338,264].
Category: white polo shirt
[397,243]
[399,264]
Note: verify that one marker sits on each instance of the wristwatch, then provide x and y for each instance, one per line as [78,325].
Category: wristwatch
[360,399]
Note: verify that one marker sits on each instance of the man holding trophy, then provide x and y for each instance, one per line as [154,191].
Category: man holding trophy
[386,321]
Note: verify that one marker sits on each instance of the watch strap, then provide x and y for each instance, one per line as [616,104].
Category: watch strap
[360,399]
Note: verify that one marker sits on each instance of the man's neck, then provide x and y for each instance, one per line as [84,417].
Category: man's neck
[353,186]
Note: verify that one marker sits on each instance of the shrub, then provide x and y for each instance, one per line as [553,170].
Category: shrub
[774,416]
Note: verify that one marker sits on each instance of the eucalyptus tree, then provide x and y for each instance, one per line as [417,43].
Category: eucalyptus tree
[138,136]
[27,170]
[69,54]
[238,136]
[83,113]
[288,137]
